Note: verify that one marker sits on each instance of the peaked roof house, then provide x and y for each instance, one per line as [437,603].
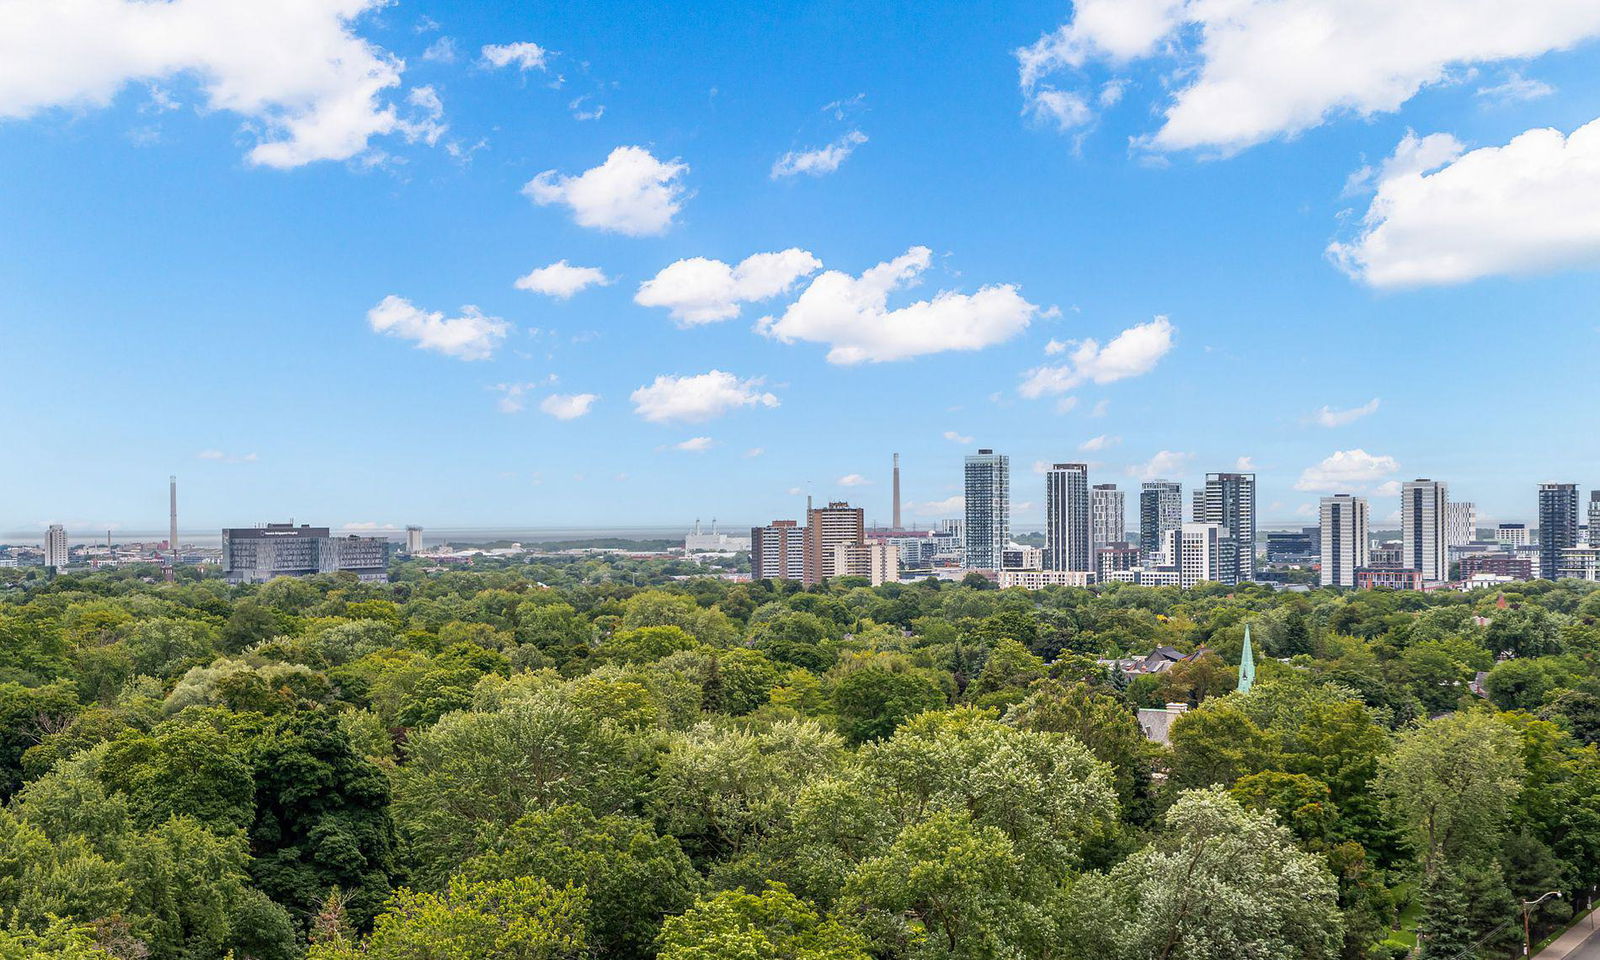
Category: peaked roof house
[1247,664]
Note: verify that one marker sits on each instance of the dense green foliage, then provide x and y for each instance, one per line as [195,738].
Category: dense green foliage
[603,760]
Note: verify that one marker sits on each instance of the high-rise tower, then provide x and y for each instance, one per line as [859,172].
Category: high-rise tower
[1558,524]
[1229,500]
[897,492]
[172,531]
[1067,517]
[1160,510]
[1423,535]
[1344,539]
[988,498]
[1108,523]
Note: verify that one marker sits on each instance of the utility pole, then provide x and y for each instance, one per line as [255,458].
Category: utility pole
[1527,924]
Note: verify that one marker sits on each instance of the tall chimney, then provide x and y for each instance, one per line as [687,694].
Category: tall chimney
[897,491]
[172,540]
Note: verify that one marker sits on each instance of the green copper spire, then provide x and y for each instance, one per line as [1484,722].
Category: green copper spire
[1247,664]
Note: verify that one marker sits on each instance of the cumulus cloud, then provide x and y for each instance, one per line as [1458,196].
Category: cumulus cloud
[307,86]
[820,161]
[511,396]
[471,336]
[1131,353]
[1101,442]
[1247,71]
[632,193]
[698,398]
[1245,464]
[851,315]
[695,445]
[1441,215]
[1346,470]
[954,437]
[217,456]
[561,280]
[698,290]
[1329,417]
[853,480]
[949,506]
[1166,463]
[524,56]
[568,406]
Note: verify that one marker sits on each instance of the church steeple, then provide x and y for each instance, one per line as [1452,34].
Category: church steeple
[1247,664]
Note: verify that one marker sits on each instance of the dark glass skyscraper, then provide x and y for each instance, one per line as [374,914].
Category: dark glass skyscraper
[1160,510]
[1558,524]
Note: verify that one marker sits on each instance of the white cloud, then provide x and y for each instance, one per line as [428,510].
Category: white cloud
[949,506]
[698,398]
[1055,347]
[954,437]
[471,336]
[1245,71]
[425,125]
[524,56]
[1165,464]
[698,290]
[1388,488]
[511,396]
[853,480]
[217,456]
[211,455]
[794,491]
[851,315]
[1067,404]
[820,161]
[1515,88]
[1099,409]
[1245,464]
[695,445]
[1101,442]
[369,526]
[1131,353]
[568,406]
[1530,206]
[1063,109]
[561,280]
[307,86]
[581,112]
[442,50]
[1329,417]
[632,193]
[754,452]
[1346,470]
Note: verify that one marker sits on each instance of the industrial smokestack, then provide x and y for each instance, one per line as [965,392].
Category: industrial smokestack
[172,540]
[897,491]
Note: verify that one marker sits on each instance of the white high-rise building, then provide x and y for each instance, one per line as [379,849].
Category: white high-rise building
[1229,501]
[988,520]
[1344,539]
[55,547]
[1594,518]
[1423,507]
[1196,550]
[413,539]
[1461,523]
[1108,521]
[1515,534]
[1067,517]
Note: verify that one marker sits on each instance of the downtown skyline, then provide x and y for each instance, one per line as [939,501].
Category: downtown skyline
[279,315]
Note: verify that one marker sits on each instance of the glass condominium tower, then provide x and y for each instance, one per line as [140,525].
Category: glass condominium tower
[1067,518]
[988,522]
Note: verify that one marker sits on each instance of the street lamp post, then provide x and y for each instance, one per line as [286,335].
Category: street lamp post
[1527,926]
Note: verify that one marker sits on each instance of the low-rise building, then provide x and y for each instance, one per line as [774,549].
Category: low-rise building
[1388,578]
[258,554]
[1039,579]
[1505,565]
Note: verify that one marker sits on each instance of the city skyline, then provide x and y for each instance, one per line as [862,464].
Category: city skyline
[550,269]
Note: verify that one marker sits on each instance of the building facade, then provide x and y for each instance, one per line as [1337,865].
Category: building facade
[1197,549]
[777,551]
[1558,524]
[1068,514]
[55,547]
[1515,534]
[258,554]
[1114,557]
[827,527]
[987,527]
[1594,518]
[413,540]
[1423,506]
[1344,539]
[1497,564]
[1228,500]
[1579,563]
[1108,520]
[876,560]
[1460,523]
[1160,511]
[1039,579]
[1374,578]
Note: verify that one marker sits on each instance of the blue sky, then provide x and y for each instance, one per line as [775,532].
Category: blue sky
[202,220]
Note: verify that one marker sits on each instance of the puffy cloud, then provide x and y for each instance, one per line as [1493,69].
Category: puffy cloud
[698,290]
[698,398]
[442,50]
[1245,464]
[851,315]
[695,445]
[471,336]
[568,406]
[853,480]
[954,437]
[1388,488]
[1132,352]
[1329,417]
[524,56]
[1530,206]
[1246,71]
[632,193]
[1101,442]
[1515,88]
[822,160]
[1166,463]
[306,84]
[561,279]
[1346,470]
[948,507]
[511,396]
